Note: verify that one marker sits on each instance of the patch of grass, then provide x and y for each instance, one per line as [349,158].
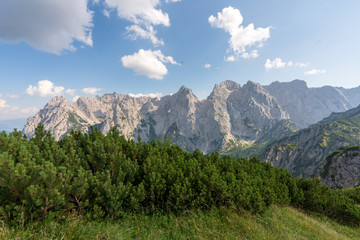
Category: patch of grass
[274,223]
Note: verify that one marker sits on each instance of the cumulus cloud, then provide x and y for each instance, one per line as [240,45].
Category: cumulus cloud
[152,95]
[50,26]
[207,66]
[314,72]
[149,63]
[45,88]
[144,14]
[91,90]
[230,19]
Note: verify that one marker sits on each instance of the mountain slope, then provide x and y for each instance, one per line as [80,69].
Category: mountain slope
[306,151]
[341,169]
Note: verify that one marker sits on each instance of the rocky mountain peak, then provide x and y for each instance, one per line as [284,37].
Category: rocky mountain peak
[253,87]
[229,85]
[56,101]
[185,93]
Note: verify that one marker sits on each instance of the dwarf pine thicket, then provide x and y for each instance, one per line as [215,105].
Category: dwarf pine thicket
[101,176]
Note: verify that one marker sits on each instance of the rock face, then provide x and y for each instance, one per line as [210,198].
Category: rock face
[307,106]
[303,153]
[352,94]
[341,169]
[231,114]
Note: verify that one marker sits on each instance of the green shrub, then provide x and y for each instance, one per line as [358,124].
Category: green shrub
[107,176]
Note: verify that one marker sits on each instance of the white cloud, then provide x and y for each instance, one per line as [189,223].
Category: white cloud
[140,11]
[230,58]
[12,96]
[45,88]
[253,54]
[106,13]
[144,14]
[276,63]
[135,32]
[3,104]
[152,95]
[70,92]
[230,19]
[298,64]
[314,72]
[207,66]
[50,26]
[91,90]
[149,63]
[12,112]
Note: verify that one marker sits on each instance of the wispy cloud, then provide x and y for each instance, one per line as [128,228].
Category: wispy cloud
[144,14]
[91,90]
[315,71]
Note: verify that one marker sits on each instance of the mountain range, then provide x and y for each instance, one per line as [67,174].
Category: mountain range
[232,115]
[285,123]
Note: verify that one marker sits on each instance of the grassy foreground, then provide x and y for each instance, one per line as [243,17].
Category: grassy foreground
[274,223]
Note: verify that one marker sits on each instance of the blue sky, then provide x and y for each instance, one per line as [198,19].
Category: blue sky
[87,47]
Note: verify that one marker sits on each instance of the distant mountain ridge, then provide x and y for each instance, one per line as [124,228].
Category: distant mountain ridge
[232,115]
[307,106]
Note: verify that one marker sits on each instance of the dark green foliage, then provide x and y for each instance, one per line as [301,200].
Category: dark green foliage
[107,176]
[353,193]
[335,204]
